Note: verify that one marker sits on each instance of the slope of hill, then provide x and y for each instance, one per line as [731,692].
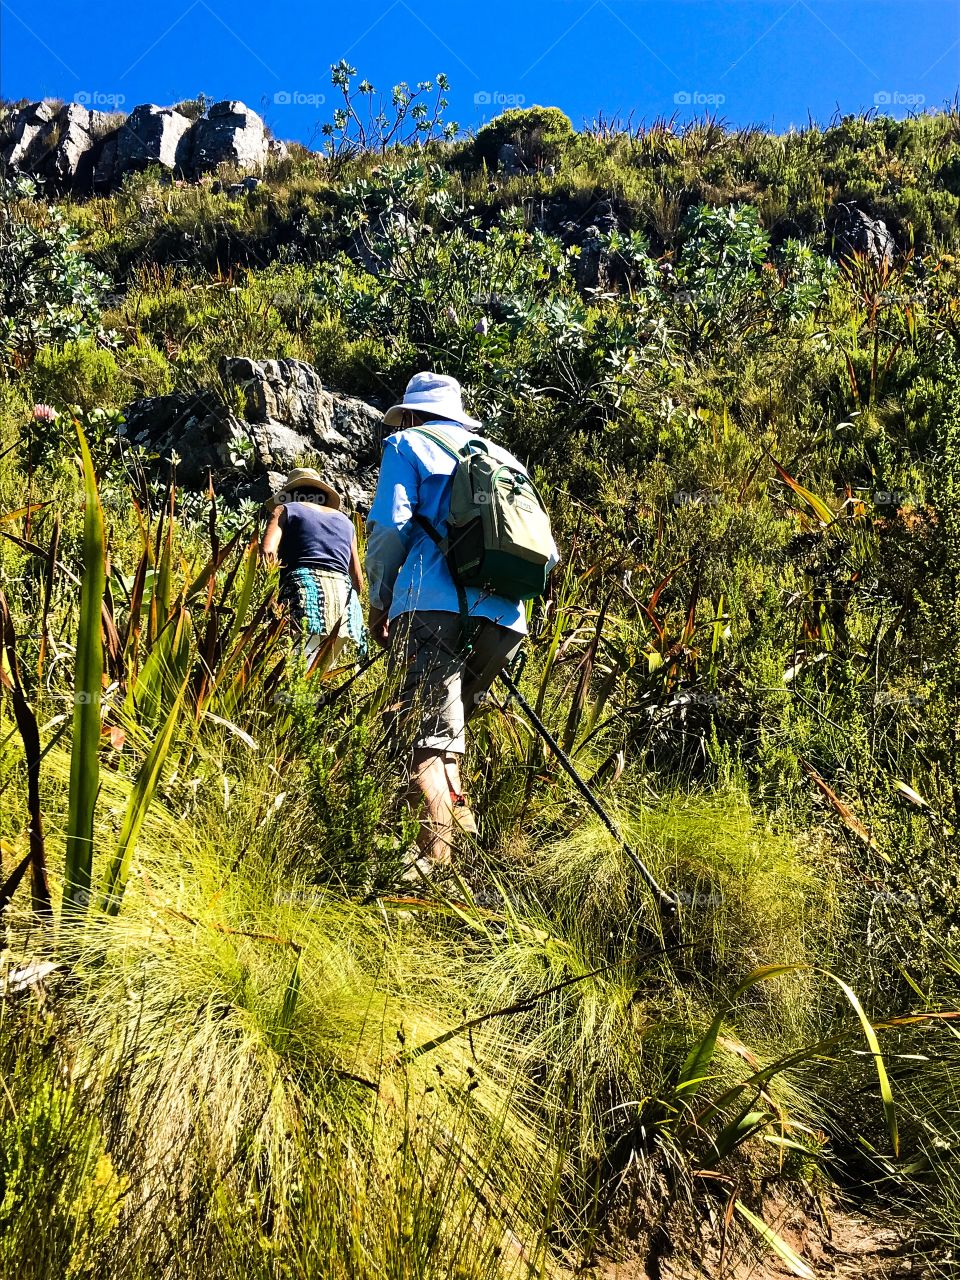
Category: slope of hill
[233,1042]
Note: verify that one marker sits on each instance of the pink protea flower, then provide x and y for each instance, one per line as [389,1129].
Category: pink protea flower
[45,413]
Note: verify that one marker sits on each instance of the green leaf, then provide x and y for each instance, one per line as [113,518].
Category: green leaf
[143,792]
[740,1128]
[88,684]
[288,1009]
[886,1092]
[794,1262]
[694,1070]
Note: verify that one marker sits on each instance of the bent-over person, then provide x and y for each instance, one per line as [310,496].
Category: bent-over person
[315,545]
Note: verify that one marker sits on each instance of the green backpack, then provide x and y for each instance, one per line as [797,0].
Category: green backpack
[498,531]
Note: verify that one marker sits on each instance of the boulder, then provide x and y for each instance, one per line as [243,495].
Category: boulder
[196,426]
[291,414]
[68,141]
[284,418]
[22,144]
[77,149]
[851,230]
[230,133]
[153,135]
[53,144]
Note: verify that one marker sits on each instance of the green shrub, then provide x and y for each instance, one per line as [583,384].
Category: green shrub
[49,293]
[92,377]
[540,135]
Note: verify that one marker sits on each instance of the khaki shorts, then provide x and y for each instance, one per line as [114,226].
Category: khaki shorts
[441,685]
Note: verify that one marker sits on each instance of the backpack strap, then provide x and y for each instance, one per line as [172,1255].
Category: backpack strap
[435,538]
[438,437]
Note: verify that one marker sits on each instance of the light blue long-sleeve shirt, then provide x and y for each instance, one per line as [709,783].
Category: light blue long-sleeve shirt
[405,568]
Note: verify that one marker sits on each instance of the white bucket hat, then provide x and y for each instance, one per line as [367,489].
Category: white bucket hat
[434,394]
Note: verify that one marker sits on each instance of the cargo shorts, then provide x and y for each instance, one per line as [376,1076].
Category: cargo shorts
[441,684]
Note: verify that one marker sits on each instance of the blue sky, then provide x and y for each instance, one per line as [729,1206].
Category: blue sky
[751,61]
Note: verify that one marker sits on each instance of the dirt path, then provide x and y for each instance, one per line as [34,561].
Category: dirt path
[847,1244]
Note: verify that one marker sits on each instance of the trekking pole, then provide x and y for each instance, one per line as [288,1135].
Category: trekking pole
[666,902]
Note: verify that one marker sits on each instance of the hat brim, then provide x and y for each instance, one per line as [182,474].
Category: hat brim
[334,501]
[394,416]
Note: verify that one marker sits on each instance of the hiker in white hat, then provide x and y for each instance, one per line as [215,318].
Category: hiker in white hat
[418,611]
[315,545]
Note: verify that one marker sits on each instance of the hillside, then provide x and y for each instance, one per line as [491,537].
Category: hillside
[233,1041]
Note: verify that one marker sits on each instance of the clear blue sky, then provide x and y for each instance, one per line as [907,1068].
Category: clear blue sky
[751,61]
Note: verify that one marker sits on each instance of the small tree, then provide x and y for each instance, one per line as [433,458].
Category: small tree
[368,122]
[49,293]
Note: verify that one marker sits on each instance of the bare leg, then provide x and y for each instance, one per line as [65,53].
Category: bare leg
[451,764]
[428,775]
[462,816]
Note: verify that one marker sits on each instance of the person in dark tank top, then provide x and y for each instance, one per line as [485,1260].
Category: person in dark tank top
[315,546]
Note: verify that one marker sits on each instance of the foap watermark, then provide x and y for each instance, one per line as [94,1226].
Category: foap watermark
[895,898]
[497,98]
[896,98]
[899,701]
[298,98]
[887,497]
[695,498]
[697,98]
[698,898]
[98,99]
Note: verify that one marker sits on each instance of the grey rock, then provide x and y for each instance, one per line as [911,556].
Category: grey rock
[235,190]
[69,142]
[153,135]
[77,149]
[23,144]
[251,183]
[851,230]
[286,418]
[230,133]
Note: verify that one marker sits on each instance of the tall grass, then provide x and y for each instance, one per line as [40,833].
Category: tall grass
[265,1055]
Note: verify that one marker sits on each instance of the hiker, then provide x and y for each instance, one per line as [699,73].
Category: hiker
[451,640]
[315,545]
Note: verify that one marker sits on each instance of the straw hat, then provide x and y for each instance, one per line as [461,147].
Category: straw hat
[434,394]
[303,478]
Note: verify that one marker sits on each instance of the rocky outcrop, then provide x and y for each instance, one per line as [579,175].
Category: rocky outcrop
[593,270]
[852,231]
[153,135]
[230,133]
[56,145]
[281,416]
[67,161]
[22,144]
[79,150]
